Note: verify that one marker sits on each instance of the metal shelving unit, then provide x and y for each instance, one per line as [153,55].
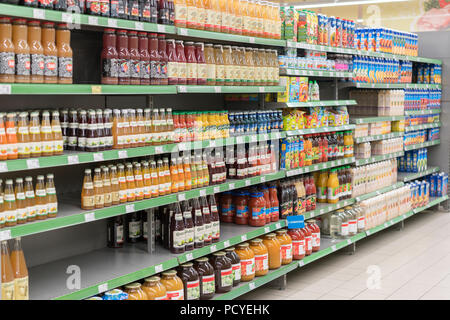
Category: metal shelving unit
[379,137]
[319,130]
[407,176]
[319,166]
[372,159]
[423,145]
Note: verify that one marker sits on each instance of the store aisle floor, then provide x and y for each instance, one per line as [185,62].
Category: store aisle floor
[412,264]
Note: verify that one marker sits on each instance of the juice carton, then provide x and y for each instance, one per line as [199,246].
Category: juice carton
[283,96]
[294,89]
[290,23]
[332,31]
[302,26]
[303,89]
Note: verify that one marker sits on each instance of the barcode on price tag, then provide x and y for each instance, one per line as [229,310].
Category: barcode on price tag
[181,197]
[322,211]
[278,225]
[5,89]
[88,217]
[217,89]
[404,216]
[123,154]
[102,288]
[226,243]
[98,156]
[129,208]
[239,140]
[213,248]
[159,268]
[263,179]
[251,40]
[189,256]
[252,285]
[266,229]
[333,247]
[33,163]
[183,32]
[112,23]
[253,138]
[67,17]
[38,14]
[159,149]
[5,235]
[202,192]
[244,237]
[262,89]
[73,160]
[3,167]
[368,232]
[161,28]
[93,20]
[216,189]
[139,26]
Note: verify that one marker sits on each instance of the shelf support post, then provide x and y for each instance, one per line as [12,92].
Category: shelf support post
[279,283]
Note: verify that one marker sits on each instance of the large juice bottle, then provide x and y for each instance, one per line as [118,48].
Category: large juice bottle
[115,186]
[223,16]
[123,186]
[238,21]
[147,180]
[11,136]
[259,19]
[332,187]
[252,12]
[23,138]
[231,17]
[174,175]
[46,134]
[180,172]
[58,143]
[192,14]
[167,177]
[131,184]
[201,14]
[154,179]
[187,173]
[161,178]
[107,189]
[266,12]
[139,180]
[41,198]
[126,129]
[246,21]
[7,273]
[10,205]
[30,199]
[87,192]
[20,271]
[180,13]
[20,202]
[98,189]
[3,139]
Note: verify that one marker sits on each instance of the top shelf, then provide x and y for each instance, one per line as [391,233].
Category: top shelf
[96,21]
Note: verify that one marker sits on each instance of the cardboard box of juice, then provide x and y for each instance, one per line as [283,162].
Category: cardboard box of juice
[290,18]
[283,96]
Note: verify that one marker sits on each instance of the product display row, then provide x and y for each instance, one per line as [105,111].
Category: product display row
[316,117]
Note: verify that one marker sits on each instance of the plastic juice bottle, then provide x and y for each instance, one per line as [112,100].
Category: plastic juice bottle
[223,16]
[10,211]
[31,200]
[7,273]
[3,139]
[46,135]
[131,184]
[259,19]
[147,180]
[231,17]
[161,178]
[187,173]
[23,143]
[332,187]
[322,185]
[246,21]
[174,175]
[237,17]
[123,186]
[180,13]
[52,200]
[192,14]
[139,181]
[252,18]
[167,177]
[21,215]
[20,271]
[87,193]
[99,195]
[11,136]
[201,14]
[115,186]
[41,198]
[180,172]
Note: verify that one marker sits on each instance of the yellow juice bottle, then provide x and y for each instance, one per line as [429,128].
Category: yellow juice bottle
[123,186]
[161,178]
[154,179]
[147,180]
[181,177]
[138,180]
[131,184]
[99,196]
[332,187]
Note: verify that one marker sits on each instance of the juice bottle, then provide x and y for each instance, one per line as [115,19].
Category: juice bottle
[58,143]
[202,72]
[191,62]
[187,173]
[259,19]
[161,177]
[50,52]
[87,192]
[253,18]
[20,271]
[155,127]
[210,15]
[7,51]
[192,15]
[167,178]
[201,14]
[194,173]
[231,17]
[11,136]
[220,65]
[107,189]
[322,187]
[41,198]
[123,186]
[23,143]
[217,15]
[46,135]
[115,186]
[238,21]
[126,129]
[201,181]
[21,207]
[99,194]
[22,50]
[180,13]
[10,211]
[134,137]
[31,200]
[3,139]
[148,126]
[332,187]
[147,180]
[174,175]
[172,62]
[139,181]
[181,177]
[131,184]
[169,126]
[223,16]
[52,200]
[181,63]
[7,273]
[246,21]
[140,127]
[154,179]
[65,54]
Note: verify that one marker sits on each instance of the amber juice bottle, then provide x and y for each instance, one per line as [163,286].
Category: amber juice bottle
[10,205]
[115,188]
[181,177]
[174,175]
[123,186]
[41,198]
[126,129]
[147,126]
[131,184]
[30,199]
[167,177]
[147,180]
[161,177]
[21,205]
[139,181]
[23,136]
[87,192]
[98,189]
[154,179]
[52,200]
[107,190]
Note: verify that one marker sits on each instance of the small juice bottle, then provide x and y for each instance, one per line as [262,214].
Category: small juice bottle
[10,205]
[23,137]
[161,178]
[156,125]
[126,129]
[41,198]
[187,173]
[115,186]
[332,187]
[194,174]
[170,126]
[46,135]
[35,135]
[163,126]
[180,172]
[259,19]
[167,177]
[148,126]
[87,193]
[3,139]
[231,17]
[139,180]
[154,179]
[11,136]
[174,175]
[107,190]
[58,142]
[205,171]
[210,15]
[223,16]
[266,12]
[20,202]
[133,132]
[141,127]
[117,130]
[123,186]
[201,14]
[147,180]
[131,184]
[98,189]
[31,199]
[52,200]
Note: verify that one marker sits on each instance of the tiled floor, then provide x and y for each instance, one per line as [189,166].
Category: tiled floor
[410,264]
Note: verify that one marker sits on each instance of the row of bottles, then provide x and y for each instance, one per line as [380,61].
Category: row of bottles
[374,176]
[344,223]
[297,196]
[130,228]
[334,185]
[30,134]
[14,271]
[33,52]
[248,122]
[22,202]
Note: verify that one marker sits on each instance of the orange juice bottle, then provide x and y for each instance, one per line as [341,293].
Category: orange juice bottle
[115,186]
[139,181]
[133,128]
[332,187]
[87,193]
[99,195]
[52,200]
[276,18]
[246,21]
[163,126]
[126,129]
[181,177]
[131,184]
[205,171]
[147,180]
[20,270]
[161,177]
[10,204]
[154,179]
[180,13]
[141,127]
[20,202]
[35,135]
[238,21]
[187,173]
[252,18]
[107,190]
[46,135]
[156,124]
[167,178]
[231,17]
[58,143]
[210,15]
[7,273]
[259,19]
[174,175]
[193,171]
[148,126]
[11,136]
[266,12]
[23,137]
[204,133]
[217,16]
[3,139]
[116,129]
[41,198]
[192,17]
[123,186]
[223,16]
[169,126]
[31,199]
[200,179]
[201,14]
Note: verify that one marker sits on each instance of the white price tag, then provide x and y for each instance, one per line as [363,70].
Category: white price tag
[316,167]
[217,89]
[213,248]
[251,40]
[322,211]
[226,243]
[112,23]
[202,192]
[301,263]
[5,89]
[212,143]
[67,17]
[265,137]
[262,89]
[139,26]
[263,179]
[73,160]
[33,163]
[3,167]
[244,237]
[266,229]
[189,256]
[339,162]
[373,85]
[161,28]
[278,225]
[216,189]
[183,32]
[231,186]
[159,149]
[247,183]
[181,197]
[38,14]
[102,288]
[333,247]
[92,20]
[239,140]
[404,216]
[88,217]
[182,89]
[349,241]
[253,138]
[252,285]
[385,224]
[320,73]
[392,222]
[5,235]
[181,146]
[98,156]
[159,268]
[129,208]
[123,154]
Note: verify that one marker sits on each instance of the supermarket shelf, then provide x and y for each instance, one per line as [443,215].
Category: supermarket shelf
[319,130]
[423,145]
[375,119]
[422,112]
[230,89]
[372,159]
[397,86]
[315,73]
[229,37]
[322,208]
[433,201]
[379,192]
[232,235]
[73,158]
[320,166]
[422,126]
[408,176]
[379,137]
[82,19]
[71,214]
[301,45]
[323,103]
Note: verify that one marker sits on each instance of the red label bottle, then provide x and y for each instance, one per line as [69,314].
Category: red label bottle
[182,65]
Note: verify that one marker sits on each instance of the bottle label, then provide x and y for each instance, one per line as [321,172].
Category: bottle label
[191,70]
[123,195]
[298,247]
[344,229]
[236,271]
[176,295]
[189,235]
[172,69]
[144,70]
[215,229]
[208,284]
[229,73]
[322,193]
[262,262]
[192,16]
[119,234]
[100,200]
[182,70]
[210,16]
[286,251]
[65,67]
[8,290]
[51,66]
[180,14]
[23,64]
[208,231]
[178,239]
[124,68]
[210,72]
[316,239]
[7,63]
[333,193]
[226,277]
[361,223]
[193,290]
[42,210]
[52,208]
[31,212]
[37,64]
[154,70]
[88,202]
[21,214]
[248,267]
[242,211]
[199,232]
[220,72]
[352,226]
[135,69]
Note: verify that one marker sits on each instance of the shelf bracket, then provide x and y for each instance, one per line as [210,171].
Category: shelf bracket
[350,249]
[400,226]
[279,283]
